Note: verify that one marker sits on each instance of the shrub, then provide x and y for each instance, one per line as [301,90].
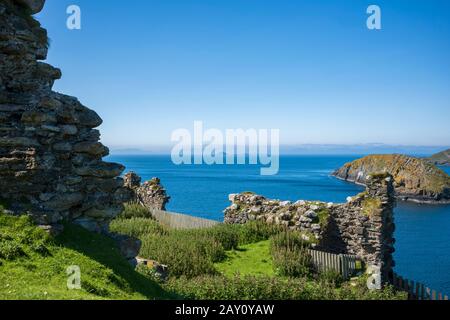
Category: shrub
[226,235]
[272,288]
[137,227]
[330,277]
[134,210]
[290,255]
[19,237]
[182,253]
[256,231]
[238,288]
[10,250]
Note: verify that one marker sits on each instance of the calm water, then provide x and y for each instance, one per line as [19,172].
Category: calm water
[423,232]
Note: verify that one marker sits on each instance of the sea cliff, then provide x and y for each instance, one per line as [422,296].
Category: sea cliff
[415,179]
[441,158]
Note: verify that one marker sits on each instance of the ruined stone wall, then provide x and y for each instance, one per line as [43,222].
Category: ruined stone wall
[151,194]
[364,226]
[50,155]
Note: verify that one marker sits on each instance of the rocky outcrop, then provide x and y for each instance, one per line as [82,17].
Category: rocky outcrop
[151,194]
[50,156]
[414,179]
[441,158]
[363,227]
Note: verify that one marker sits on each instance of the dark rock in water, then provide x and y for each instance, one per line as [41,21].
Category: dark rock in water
[415,179]
[50,154]
[441,158]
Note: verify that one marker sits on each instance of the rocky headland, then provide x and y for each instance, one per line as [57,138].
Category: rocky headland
[415,179]
[441,158]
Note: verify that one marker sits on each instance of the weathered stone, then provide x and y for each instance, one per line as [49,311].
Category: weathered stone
[132,180]
[129,247]
[64,202]
[18,142]
[69,130]
[101,170]
[62,147]
[50,153]
[106,213]
[150,194]
[37,117]
[93,148]
[34,5]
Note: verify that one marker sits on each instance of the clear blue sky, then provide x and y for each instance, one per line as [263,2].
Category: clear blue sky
[310,68]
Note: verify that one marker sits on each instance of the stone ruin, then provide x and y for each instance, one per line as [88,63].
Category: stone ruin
[364,226]
[151,194]
[50,156]
[51,162]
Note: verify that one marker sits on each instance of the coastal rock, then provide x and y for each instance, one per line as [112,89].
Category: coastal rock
[441,158]
[414,179]
[51,163]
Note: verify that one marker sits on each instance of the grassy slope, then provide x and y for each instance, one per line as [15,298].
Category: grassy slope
[253,259]
[33,275]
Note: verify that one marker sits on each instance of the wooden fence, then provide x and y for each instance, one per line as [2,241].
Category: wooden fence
[182,221]
[344,264]
[416,290]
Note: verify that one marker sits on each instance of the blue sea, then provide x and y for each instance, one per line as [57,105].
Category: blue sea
[422,231]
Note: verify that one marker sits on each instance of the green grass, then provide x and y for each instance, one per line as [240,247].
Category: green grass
[252,259]
[31,271]
[370,205]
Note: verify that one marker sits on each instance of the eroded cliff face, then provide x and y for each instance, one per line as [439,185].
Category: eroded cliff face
[414,179]
[50,155]
[441,158]
[364,226]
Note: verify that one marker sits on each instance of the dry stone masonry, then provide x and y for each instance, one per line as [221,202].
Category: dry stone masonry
[151,194]
[364,226]
[50,155]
